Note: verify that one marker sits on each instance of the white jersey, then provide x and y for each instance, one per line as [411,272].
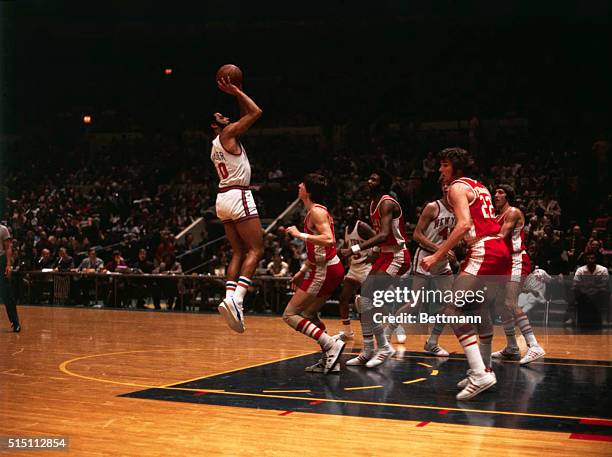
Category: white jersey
[353,238]
[233,170]
[439,228]
[437,232]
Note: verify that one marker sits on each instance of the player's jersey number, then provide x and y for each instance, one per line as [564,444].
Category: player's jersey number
[488,210]
[222,170]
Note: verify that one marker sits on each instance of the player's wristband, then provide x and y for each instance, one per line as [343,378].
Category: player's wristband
[376,249]
[304,236]
[355,248]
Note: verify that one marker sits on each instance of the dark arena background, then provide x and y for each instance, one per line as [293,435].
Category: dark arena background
[119,260]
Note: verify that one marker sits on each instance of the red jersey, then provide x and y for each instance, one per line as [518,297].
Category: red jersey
[516,242]
[319,254]
[397,235]
[482,211]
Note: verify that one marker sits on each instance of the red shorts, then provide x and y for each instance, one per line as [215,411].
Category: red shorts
[488,256]
[393,263]
[521,266]
[322,280]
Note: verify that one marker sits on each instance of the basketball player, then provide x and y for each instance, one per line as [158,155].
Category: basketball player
[394,261]
[325,272]
[434,225]
[512,224]
[235,204]
[355,232]
[487,255]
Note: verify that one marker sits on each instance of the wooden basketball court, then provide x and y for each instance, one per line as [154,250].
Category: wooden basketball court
[129,383]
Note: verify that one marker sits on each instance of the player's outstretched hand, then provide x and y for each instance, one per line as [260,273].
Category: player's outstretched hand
[225,84]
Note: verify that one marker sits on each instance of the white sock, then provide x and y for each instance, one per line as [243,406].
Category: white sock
[230,288]
[469,341]
[241,289]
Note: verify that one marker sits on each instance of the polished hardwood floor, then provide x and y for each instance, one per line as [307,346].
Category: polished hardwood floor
[66,372]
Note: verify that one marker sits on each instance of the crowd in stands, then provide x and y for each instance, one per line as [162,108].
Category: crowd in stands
[137,194]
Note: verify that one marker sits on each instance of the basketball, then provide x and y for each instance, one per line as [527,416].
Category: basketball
[234,73]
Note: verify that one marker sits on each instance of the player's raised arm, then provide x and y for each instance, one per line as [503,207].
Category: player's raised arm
[249,110]
[458,197]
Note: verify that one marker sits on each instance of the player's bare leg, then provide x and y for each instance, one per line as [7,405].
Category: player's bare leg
[233,314]
[519,318]
[534,351]
[299,315]
[251,234]
[349,289]
[371,331]
[511,351]
[432,346]
[479,378]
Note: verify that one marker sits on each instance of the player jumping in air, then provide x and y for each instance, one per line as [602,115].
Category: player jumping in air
[235,204]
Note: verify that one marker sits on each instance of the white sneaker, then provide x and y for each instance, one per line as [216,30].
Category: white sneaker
[533,353]
[360,360]
[344,336]
[232,314]
[332,356]
[400,334]
[319,367]
[381,356]
[477,384]
[507,353]
[464,382]
[435,350]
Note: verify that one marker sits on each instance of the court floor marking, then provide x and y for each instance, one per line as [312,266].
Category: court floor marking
[396,405]
[446,359]
[63,368]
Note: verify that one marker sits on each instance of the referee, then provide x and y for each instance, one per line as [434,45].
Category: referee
[6,271]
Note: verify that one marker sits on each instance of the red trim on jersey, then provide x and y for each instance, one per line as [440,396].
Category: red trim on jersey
[225,189]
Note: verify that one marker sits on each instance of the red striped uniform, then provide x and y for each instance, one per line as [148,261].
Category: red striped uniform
[521,264]
[327,271]
[487,253]
[394,258]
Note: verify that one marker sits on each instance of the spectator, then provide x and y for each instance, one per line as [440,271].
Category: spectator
[167,245]
[591,288]
[116,263]
[141,289]
[574,245]
[45,262]
[64,261]
[277,267]
[169,288]
[92,263]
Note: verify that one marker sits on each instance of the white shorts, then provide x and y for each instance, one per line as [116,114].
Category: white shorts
[359,271]
[440,268]
[235,204]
